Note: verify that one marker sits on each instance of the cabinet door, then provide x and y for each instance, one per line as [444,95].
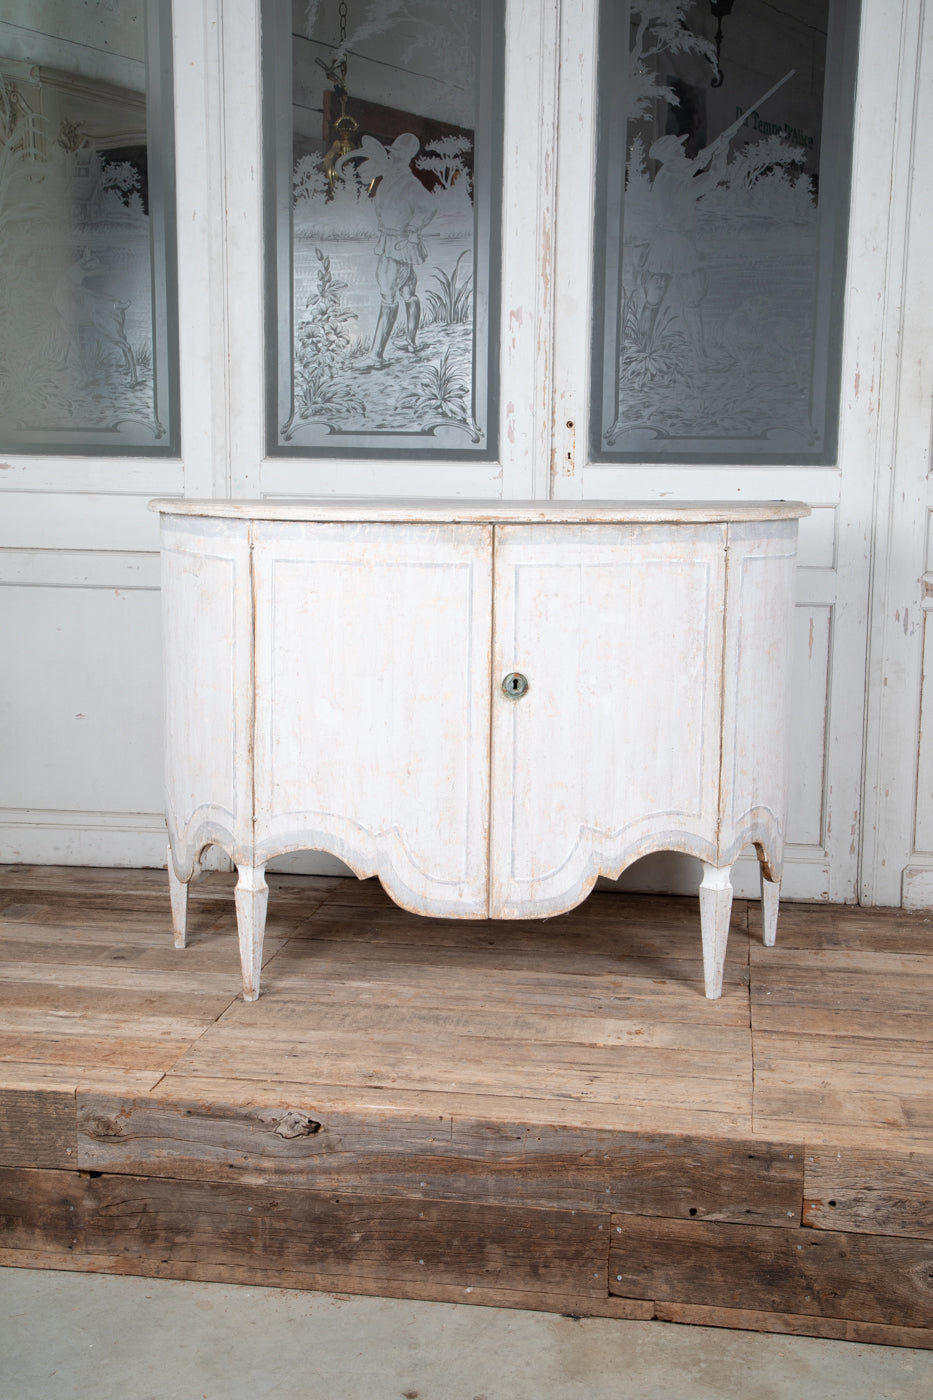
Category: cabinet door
[614,749]
[372,703]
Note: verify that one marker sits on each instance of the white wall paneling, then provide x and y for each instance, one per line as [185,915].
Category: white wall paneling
[79,631]
[897,863]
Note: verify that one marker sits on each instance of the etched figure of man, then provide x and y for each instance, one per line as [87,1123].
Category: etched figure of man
[403,209]
[669,265]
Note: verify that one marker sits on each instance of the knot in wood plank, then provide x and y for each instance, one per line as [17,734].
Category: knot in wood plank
[293,1124]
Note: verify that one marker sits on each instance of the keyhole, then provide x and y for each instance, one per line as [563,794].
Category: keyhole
[515,685]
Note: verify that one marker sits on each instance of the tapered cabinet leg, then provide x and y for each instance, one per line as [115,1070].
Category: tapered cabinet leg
[178,892]
[715,912]
[252,897]
[770,899]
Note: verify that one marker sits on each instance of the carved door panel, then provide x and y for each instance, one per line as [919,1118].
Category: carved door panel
[614,749]
[372,711]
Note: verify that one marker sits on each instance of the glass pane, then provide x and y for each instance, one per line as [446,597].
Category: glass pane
[721,216]
[87,345]
[383,181]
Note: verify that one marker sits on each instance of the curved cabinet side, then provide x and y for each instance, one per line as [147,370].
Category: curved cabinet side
[759,616]
[207,626]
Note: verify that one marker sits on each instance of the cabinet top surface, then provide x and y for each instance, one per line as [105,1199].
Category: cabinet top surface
[418,510]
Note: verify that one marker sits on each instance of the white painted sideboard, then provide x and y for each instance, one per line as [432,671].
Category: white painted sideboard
[487,706]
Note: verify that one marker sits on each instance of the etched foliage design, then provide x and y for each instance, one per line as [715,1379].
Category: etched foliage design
[386,344]
[76,300]
[719,280]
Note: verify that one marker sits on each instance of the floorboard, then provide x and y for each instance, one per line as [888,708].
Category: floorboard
[541,1114]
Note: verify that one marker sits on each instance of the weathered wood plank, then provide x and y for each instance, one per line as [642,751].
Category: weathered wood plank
[877,1024]
[660,1077]
[441,1158]
[68,1079]
[838,1081]
[456,983]
[447,1003]
[87,1055]
[839,960]
[849,927]
[122,997]
[298,969]
[838,1135]
[913,1056]
[465,1245]
[22,934]
[878,1193]
[136,1043]
[618,930]
[864,1278]
[789,1324]
[71,880]
[117,913]
[891,994]
[37,1128]
[502,1108]
[887,1102]
[78,961]
[570,1304]
[452,1014]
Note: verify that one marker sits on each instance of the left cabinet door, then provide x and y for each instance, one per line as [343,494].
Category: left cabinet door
[372,703]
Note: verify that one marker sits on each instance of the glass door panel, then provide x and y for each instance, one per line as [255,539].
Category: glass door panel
[88,354]
[722,195]
[383,161]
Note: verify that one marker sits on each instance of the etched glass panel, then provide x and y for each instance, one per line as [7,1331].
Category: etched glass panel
[721,220]
[383,161]
[88,360]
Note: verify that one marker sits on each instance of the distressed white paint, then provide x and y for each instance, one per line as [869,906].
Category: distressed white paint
[80,775]
[836,695]
[615,750]
[371,702]
[334,681]
[897,864]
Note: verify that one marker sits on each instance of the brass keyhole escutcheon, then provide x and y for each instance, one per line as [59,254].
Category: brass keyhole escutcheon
[515,685]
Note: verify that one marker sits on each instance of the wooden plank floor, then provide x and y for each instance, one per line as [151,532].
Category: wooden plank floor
[541,1114]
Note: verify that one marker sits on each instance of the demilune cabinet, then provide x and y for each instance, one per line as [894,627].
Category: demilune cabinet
[487,706]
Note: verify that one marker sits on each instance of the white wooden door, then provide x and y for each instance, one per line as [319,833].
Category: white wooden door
[82,410]
[372,702]
[834,572]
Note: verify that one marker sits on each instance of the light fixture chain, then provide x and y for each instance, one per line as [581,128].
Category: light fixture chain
[342,12]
